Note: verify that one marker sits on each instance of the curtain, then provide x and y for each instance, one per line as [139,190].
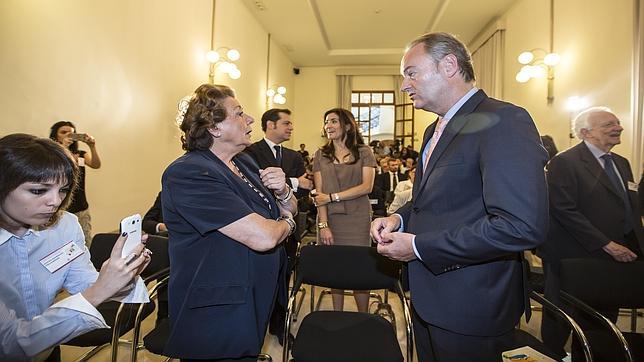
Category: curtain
[488,64]
[345,86]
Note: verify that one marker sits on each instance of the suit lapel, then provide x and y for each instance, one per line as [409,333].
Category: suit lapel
[268,153]
[452,129]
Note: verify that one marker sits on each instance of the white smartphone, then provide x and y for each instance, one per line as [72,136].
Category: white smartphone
[132,226]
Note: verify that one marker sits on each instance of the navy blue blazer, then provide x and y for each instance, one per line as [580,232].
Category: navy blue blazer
[221,292]
[480,203]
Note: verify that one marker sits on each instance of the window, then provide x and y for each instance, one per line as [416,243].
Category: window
[374,112]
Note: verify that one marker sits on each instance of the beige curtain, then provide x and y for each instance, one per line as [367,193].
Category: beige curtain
[345,86]
[488,64]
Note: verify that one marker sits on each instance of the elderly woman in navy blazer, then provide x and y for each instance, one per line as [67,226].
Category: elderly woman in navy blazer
[225,219]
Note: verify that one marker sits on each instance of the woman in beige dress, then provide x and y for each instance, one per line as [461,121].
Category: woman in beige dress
[343,171]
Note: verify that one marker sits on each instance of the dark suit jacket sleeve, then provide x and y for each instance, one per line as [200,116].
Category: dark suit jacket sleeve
[153,217]
[513,211]
[295,169]
[564,207]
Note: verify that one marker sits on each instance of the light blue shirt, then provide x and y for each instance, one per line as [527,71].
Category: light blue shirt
[29,324]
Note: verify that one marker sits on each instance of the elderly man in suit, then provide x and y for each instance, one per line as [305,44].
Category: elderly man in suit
[479,200]
[277,127]
[594,212]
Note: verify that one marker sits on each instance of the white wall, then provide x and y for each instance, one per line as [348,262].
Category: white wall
[117,69]
[595,40]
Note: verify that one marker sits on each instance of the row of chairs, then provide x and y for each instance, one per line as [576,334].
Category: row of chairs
[352,336]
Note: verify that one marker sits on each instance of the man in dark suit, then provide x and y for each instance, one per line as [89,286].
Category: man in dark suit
[594,212]
[479,200]
[277,127]
[387,181]
[153,220]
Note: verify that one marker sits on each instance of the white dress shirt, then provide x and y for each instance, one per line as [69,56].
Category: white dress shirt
[294,181]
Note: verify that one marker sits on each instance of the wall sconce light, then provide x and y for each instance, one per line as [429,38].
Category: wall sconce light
[537,63]
[223,59]
[574,105]
[276,95]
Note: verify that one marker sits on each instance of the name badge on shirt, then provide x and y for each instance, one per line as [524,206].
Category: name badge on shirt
[62,256]
[81,162]
[632,186]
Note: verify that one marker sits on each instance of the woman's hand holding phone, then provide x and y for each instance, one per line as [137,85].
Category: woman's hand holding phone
[117,272]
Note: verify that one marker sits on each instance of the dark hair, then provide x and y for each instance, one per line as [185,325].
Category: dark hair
[439,45]
[549,145]
[351,137]
[27,158]
[205,110]
[273,115]
[53,134]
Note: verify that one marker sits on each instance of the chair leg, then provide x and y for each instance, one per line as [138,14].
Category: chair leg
[386,311]
[299,304]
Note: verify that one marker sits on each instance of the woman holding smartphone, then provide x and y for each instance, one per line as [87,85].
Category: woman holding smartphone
[42,251]
[64,132]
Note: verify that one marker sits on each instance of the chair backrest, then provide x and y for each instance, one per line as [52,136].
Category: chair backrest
[604,284]
[346,267]
[102,245]
[101,248]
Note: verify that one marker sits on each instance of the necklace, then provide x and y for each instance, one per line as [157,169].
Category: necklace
[247,181]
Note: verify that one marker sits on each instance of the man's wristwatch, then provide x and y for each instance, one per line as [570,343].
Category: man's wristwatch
[323,225]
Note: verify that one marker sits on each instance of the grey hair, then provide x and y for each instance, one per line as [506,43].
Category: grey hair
[582,120]
[439,45]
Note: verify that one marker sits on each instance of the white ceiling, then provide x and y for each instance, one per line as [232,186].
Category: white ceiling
[366,32]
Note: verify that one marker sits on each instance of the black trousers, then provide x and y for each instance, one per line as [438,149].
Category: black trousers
[434,344]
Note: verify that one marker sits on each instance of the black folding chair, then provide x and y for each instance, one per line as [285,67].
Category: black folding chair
[524,338]
[119,316]
[346,336]
[591,284]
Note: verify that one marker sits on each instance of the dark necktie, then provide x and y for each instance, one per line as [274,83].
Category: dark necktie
[619,187]
[394,181]
[278,154]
